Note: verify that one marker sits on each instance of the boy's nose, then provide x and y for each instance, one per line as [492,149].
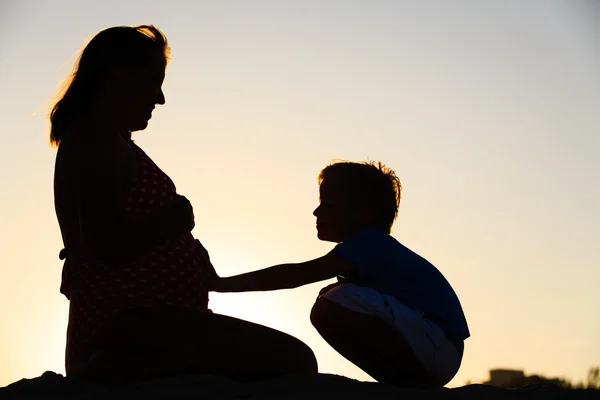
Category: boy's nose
[160,97]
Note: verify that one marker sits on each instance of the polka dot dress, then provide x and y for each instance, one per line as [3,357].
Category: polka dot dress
[171,275]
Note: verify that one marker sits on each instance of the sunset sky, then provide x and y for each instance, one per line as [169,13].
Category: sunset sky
[489,112]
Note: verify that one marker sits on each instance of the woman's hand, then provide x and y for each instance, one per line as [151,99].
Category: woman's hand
[183,214]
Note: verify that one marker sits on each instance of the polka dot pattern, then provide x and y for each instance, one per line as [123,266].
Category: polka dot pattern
[172,274]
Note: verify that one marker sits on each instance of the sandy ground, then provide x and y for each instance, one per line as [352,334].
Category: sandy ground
[314,387]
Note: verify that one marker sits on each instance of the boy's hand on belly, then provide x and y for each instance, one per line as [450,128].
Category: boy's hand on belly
[210,274]
[212,278]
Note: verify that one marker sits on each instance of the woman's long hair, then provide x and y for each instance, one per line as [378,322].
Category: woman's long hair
[109,48]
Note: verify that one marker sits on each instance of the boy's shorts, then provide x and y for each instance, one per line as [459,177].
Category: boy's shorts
[435,351]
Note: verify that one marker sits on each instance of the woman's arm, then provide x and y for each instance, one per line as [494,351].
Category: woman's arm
[107,168]
[285,276]
[136,237]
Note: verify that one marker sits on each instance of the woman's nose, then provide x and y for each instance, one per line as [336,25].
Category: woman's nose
[317,211]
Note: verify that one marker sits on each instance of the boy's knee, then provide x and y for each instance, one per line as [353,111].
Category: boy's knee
[321,313]
[325,311]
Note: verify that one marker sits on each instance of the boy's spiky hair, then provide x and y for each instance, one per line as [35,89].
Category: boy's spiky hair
[370,183]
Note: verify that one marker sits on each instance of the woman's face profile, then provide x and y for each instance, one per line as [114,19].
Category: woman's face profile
[139,90]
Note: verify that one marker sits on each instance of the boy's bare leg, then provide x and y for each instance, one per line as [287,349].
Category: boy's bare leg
[370,344]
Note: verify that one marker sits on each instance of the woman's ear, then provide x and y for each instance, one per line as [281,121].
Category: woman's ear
[118,74]
[119,83]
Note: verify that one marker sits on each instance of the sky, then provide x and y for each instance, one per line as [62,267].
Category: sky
[487,111]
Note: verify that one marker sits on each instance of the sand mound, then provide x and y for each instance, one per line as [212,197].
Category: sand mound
[314,387]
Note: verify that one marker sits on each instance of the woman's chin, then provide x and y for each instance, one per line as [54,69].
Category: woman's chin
[138,126]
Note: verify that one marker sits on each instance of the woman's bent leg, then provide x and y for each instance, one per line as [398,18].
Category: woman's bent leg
[148,343]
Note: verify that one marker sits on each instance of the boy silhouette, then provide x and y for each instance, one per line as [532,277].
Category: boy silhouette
[391,313]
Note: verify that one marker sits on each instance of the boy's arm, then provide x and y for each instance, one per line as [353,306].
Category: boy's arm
[286,276]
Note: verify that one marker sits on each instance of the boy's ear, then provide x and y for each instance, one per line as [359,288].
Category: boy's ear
[365,214]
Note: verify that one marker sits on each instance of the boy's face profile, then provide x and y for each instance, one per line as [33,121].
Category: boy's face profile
[337,218]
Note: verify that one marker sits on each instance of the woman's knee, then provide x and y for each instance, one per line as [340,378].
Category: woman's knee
[287,353]
[307,361]
[294,355]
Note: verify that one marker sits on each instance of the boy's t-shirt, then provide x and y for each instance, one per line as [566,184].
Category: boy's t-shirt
[384,264]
